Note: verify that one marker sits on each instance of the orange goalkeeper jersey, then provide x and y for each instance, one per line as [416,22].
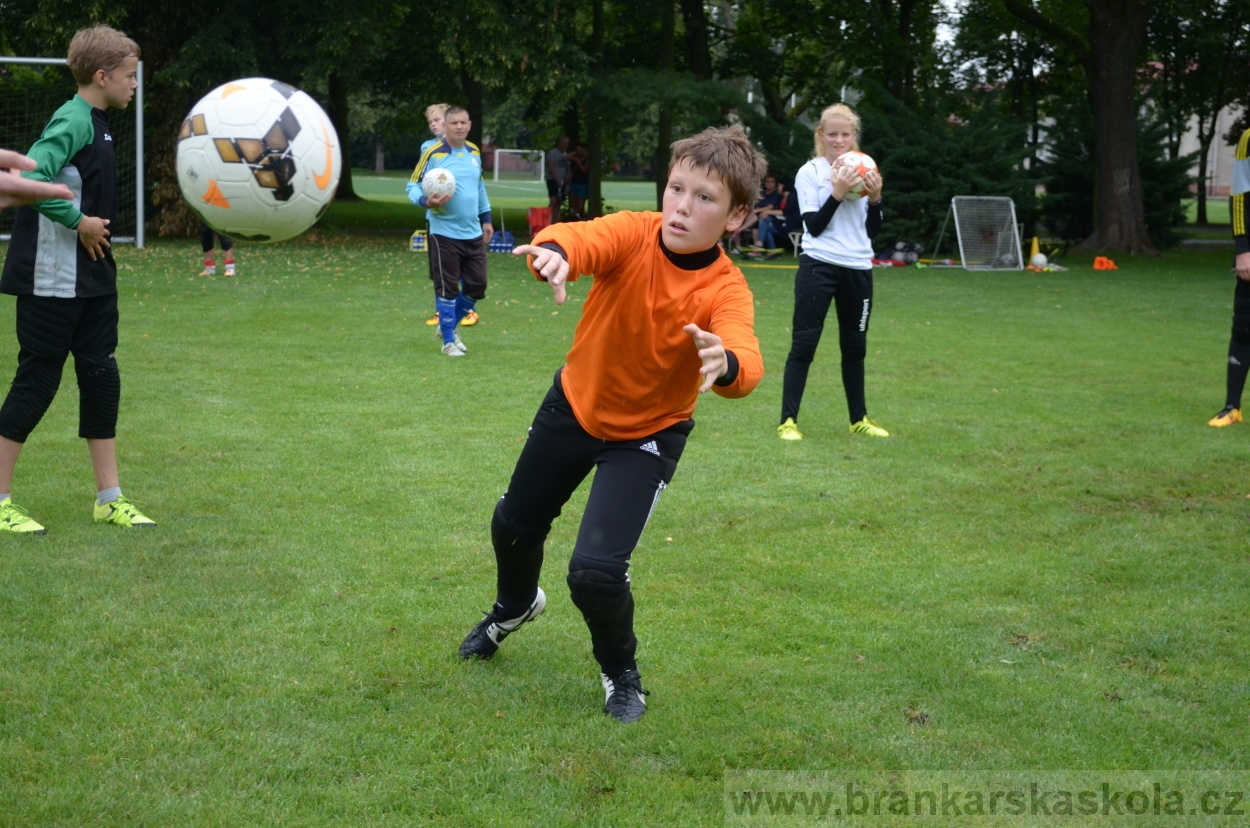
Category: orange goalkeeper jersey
[632,370]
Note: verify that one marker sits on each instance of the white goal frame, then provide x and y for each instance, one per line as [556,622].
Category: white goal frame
[538,158]
[987,232]
[139,237]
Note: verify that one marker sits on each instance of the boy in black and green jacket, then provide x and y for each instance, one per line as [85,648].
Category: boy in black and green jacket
[61,269]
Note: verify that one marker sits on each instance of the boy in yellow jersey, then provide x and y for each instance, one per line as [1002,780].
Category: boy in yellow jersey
[669,317]
[1239,344]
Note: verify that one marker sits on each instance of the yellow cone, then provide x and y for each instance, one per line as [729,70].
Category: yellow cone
[1034,251]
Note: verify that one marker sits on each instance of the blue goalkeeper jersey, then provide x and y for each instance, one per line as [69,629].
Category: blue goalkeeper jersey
[469,208]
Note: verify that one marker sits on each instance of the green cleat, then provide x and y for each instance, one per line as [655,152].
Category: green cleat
[121,512]
[870,427]
[789,430]
[14,518]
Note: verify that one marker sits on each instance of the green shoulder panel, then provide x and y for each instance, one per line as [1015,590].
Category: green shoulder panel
[69,130]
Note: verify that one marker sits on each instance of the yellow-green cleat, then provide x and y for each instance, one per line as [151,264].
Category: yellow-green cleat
[789,430]
[870,427]
[1226,417]
[121,512]
[15,519]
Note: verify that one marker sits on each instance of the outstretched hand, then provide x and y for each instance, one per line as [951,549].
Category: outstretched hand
[549,265]
[712,352]
[17,190]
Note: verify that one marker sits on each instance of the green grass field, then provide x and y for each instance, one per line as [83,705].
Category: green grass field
[1045,567]
[1217,210]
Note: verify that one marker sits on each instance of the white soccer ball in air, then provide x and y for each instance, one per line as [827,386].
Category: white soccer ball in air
[438,181]
[861,162]
[258,160]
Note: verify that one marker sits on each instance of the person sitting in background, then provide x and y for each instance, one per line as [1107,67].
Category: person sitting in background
[767,206]
[768,215]
[791,218]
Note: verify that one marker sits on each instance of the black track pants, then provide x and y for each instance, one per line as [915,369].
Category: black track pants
[816,285]
[629,477]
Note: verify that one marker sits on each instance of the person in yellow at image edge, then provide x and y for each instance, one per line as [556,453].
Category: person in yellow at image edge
[1239,343]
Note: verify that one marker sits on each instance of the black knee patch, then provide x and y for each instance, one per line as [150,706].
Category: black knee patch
[608,607]
[803,346]
[99,396]
[101,368]
[854,351]
[33,390]
[501,523]
[595,582]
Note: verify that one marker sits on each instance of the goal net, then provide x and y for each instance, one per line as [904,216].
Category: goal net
[517,165]
[31,89]
[986,231]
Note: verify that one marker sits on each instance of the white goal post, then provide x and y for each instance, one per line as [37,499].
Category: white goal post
[23,117]
[518,165]
[989,238]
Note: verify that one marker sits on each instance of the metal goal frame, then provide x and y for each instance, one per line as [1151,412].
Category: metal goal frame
[138,238]
[987,233]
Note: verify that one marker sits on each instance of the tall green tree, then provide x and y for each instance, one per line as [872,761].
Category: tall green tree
[1199,51]
[328,45]
[996,51]
[1107,48]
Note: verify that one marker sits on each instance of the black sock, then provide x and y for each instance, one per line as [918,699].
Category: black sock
[518,562]
[607,604]
[1238,365]
[853,384]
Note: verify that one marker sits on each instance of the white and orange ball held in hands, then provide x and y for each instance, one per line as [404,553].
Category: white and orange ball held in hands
[437,182]
[861,162]
[258,160]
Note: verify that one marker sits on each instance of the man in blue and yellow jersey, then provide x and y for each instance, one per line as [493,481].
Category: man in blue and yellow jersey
[460,228]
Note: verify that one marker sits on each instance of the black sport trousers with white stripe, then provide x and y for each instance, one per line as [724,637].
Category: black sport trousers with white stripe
[629,477]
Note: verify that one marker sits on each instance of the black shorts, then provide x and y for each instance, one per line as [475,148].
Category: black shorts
[456,261]
[554,190]
[49,329]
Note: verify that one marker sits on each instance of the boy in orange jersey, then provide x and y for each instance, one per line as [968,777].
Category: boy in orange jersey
[668,318]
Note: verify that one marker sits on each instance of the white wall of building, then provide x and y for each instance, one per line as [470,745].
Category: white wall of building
[1220,164]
